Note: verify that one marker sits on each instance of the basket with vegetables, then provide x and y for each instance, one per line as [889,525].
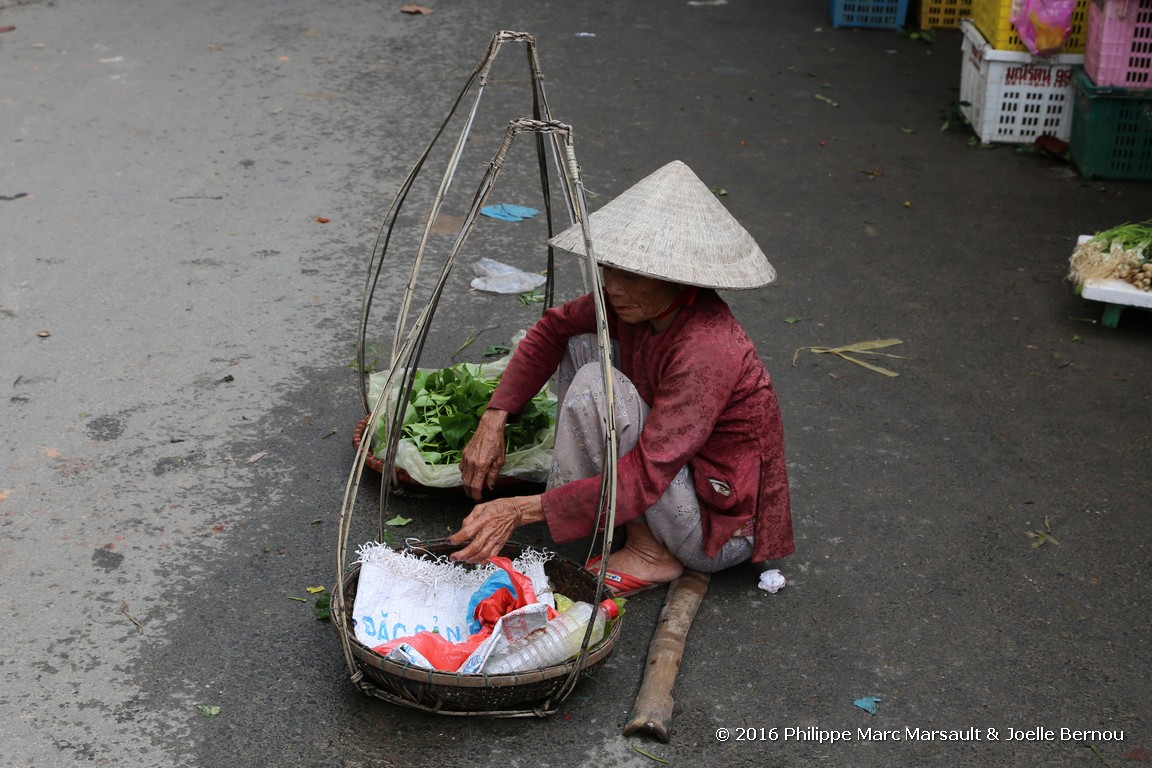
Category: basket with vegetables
[440,417]
[1120,253]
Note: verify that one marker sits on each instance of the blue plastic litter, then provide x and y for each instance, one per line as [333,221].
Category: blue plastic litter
[509,212]
[868,704]
[497,581]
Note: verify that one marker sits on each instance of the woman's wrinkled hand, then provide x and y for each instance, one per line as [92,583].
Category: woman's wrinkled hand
[490,525]
[483,457]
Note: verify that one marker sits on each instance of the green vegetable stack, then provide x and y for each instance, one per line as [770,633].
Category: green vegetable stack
[1120,253]
[444,410]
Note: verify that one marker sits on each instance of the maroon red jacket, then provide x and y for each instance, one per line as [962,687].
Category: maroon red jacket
[713,408]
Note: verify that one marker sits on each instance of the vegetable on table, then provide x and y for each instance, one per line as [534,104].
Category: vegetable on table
[1120,253]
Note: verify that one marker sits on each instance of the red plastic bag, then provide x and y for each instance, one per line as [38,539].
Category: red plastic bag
[1044,25]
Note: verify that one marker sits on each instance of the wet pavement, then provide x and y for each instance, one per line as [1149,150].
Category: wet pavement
[188,199]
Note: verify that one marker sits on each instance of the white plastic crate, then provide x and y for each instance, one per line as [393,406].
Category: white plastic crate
[1014,97]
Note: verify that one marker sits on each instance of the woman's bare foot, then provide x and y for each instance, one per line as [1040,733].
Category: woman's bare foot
[643,557]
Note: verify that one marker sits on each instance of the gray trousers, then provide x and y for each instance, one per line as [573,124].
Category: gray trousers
[579,453]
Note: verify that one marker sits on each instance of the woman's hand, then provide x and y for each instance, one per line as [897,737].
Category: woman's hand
[483,457]
[490,525]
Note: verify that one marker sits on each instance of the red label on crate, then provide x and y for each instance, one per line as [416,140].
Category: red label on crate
[1027,74]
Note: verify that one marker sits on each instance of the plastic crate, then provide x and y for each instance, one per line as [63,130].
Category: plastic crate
[994,20]
[1012,97]
[943,14]
[1111,131]
[1119,48]
[881,14]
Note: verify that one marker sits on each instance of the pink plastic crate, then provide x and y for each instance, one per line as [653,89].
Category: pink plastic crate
[1119,46]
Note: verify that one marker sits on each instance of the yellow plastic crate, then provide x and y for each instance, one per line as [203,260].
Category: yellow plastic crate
[994,20]
[943,14]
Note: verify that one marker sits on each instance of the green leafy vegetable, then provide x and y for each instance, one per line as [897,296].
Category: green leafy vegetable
[323,608]
[444,410]
[1130,237]
[535,296]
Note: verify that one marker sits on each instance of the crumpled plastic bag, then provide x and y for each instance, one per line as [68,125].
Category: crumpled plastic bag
[508,212]
[1044,25]
[497,277]
[772,581]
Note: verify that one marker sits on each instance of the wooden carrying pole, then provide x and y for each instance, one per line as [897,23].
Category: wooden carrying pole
[653,709]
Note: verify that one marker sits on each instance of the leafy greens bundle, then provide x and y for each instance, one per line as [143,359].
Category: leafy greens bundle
[444,411]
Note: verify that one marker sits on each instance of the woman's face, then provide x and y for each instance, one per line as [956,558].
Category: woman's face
[636,298]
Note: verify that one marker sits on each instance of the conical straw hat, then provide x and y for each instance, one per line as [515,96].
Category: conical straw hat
[669,225]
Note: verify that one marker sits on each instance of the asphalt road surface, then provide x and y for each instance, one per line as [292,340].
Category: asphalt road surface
[189,194]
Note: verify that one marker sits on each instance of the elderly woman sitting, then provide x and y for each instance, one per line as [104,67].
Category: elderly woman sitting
[701,475]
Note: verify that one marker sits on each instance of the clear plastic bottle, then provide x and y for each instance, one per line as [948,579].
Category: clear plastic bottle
[560,639]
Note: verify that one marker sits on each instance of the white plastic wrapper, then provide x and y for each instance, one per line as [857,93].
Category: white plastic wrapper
[497,277]
[772,581]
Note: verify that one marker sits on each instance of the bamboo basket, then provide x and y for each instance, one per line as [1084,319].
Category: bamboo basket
[450,693]
[538,692]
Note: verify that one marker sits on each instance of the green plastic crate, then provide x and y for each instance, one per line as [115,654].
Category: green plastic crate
[1111,130]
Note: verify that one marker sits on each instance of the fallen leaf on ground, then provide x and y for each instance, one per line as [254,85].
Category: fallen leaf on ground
[208,710]
[8,28]
[447,224]
[415,9]
[863,347]
[256,457]
[314,590]
[1140,753]
[1040,538]
[637,749]
[322,608]
[398,520]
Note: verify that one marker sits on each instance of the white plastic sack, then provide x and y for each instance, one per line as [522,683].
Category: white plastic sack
[400,594]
